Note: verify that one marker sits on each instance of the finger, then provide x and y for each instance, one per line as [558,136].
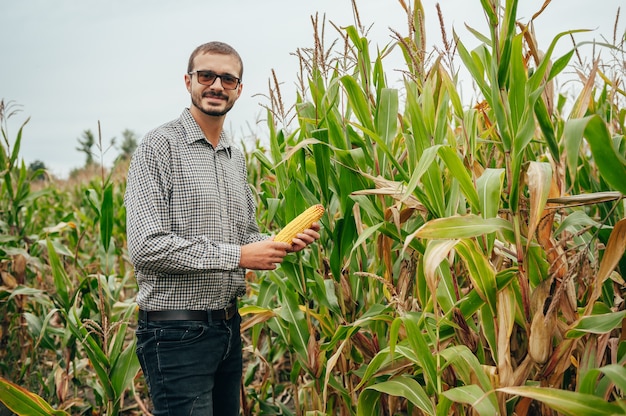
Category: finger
[279,254]
[304,239]
[311,233]
[284,246]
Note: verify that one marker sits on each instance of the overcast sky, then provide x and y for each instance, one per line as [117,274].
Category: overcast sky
[71,63]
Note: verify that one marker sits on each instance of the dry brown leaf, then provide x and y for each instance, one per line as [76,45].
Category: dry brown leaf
[614,251]
[19,268]
[257,318]
[8,280]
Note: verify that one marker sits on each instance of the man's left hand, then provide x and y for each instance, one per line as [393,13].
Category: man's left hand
[305,238]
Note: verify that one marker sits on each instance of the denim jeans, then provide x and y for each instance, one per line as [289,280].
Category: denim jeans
[192,367]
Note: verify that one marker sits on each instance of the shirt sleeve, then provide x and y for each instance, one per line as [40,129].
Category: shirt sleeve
[152,246]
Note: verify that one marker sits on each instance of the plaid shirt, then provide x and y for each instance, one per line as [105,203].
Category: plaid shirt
[189,209]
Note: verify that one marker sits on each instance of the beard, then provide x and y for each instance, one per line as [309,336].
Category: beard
[196,100]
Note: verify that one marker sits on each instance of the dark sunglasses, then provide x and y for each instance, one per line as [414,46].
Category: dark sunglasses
[229,82]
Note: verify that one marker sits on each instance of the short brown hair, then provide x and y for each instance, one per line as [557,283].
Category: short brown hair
[216,47]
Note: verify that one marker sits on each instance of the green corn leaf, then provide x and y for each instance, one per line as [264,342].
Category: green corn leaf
[545,124]
[488,329]
[394,331]
[298,333]
[489,186]
[124,370]
[277,143]
[382,147]
[589,379]
[387,115]
[517,94]
[404,387]
[596,324]
[364,62]
[434,189]
[457,227]
[537,78]
[560,64]
[23,402]
[358,102]
[473,63]
[405,351]
[367,233]
[383,359]
[472,302]
[461,174]
[566,402]
[61,279]
[442,119]
[262,158]
[321,155]
[480,271]
[420,347]
[380,360]
[474,396]
[107,214]
[419,139]
[446,296]
[575,222]
[427,158]
[367,404]
[17,145]
[94,200]
[617,374]
[611,165]
[507,41]
[469,369]
[40,329]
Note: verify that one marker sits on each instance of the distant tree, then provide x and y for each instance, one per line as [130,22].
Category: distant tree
[129,144]
[86,142]
[35,166]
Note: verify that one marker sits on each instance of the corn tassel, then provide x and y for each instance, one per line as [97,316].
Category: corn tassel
[300,223]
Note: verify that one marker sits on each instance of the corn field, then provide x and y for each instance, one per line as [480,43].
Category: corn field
[471,259]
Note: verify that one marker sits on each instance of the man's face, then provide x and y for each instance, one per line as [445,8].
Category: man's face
[214,100]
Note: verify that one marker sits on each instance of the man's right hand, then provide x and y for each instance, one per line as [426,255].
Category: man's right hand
[263,255]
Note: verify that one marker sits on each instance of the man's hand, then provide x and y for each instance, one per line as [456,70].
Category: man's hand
[305,238]
[263,255]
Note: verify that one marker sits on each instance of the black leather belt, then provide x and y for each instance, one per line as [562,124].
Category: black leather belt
[190,315]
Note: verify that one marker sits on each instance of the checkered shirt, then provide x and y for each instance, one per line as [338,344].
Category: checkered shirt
[189,208]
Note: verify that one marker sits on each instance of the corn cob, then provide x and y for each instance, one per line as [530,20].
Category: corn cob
[300,223]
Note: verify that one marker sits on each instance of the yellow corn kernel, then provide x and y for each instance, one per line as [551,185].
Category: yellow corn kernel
[300,223]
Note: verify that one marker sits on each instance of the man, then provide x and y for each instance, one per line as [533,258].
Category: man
[192,232]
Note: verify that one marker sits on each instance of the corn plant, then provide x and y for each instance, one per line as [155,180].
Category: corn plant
[69,309]
[469,255]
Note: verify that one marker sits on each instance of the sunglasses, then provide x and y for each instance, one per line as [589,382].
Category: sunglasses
[229,82]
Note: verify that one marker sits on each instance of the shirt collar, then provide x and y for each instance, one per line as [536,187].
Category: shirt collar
[194,133]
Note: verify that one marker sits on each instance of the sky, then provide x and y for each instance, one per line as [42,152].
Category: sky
[69,65]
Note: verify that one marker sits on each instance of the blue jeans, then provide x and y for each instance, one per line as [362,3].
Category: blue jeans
[192,367]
